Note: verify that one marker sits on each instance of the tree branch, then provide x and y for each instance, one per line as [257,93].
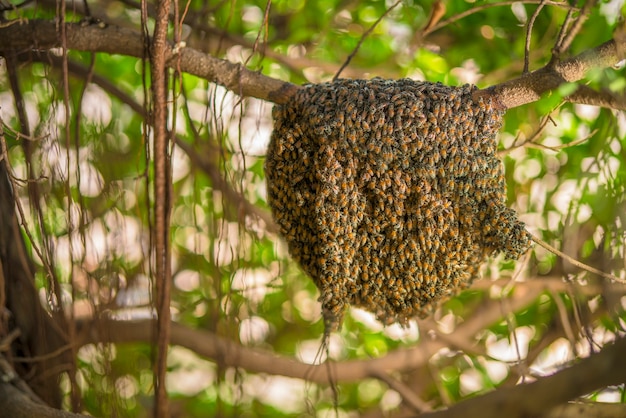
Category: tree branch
[586,410]
[43,35]
[529,88]
[606,368]
[231,354]
[17,404]
[162,205]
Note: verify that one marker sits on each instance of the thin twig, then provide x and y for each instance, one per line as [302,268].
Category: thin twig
[529,30]
[575,262]
[367,32]
[532,138]
[408,396]
[482,7]
[564,318]
[576,27]
[556,50]
[562,146]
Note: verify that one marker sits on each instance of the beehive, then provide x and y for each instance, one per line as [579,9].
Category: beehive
[389,192]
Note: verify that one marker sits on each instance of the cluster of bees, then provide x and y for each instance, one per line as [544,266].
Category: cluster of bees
[389,193]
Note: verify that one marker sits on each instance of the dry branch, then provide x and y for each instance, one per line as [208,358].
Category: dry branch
[532,400]
[17,404]
[43,35]
[162,205]
[231,354]
[530,87]
[600,370]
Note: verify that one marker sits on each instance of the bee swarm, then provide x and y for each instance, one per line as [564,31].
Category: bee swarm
[389,193]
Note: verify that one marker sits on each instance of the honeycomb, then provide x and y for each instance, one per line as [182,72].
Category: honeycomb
[389,193]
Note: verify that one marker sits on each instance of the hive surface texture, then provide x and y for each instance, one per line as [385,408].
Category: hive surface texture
[389,193]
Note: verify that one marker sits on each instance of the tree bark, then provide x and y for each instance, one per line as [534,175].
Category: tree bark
[43,35]
[16,404]
[39,334]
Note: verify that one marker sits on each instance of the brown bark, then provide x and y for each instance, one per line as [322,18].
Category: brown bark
[162,185]
[43,35]
[16,404]
[39,335]
[529,88]
[605,368]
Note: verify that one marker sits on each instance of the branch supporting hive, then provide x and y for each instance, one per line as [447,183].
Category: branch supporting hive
[389,193]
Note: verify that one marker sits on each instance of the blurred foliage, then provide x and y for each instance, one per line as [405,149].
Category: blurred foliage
[89,218]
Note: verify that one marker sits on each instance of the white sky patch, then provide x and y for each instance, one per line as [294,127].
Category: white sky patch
[496,370]
[615,146]
[584,213]
[180,165]
[96,106]
[611,10]
[587,112]
[505,349]
[471,382]
[554,357]
[231,243]
[390,400]
[286,394]
[331,413]
[136,294]
[528,169]
[468,72]
[563,197]
[252,15]
[409,333]
[253,330]
[312,352]
[125,237]
[400,36]
[447,323]
[190,374]
[519,11]
[366,318]
[91,181]
[126,386]
[309,308]
[252,283]
[251,136]
[187,280]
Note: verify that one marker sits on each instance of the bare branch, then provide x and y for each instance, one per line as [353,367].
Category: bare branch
[531,400]
[587,95]
[162,182]
[365,35]
[529,31]
[17,404]
[529,87]
[408,396]
[586,410]
[231,354]
[43,35]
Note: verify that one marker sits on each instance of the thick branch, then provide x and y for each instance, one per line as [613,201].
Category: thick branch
[231,354]
[586,410]
[532,400]
[43,35]
[17,404]
[530,87]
